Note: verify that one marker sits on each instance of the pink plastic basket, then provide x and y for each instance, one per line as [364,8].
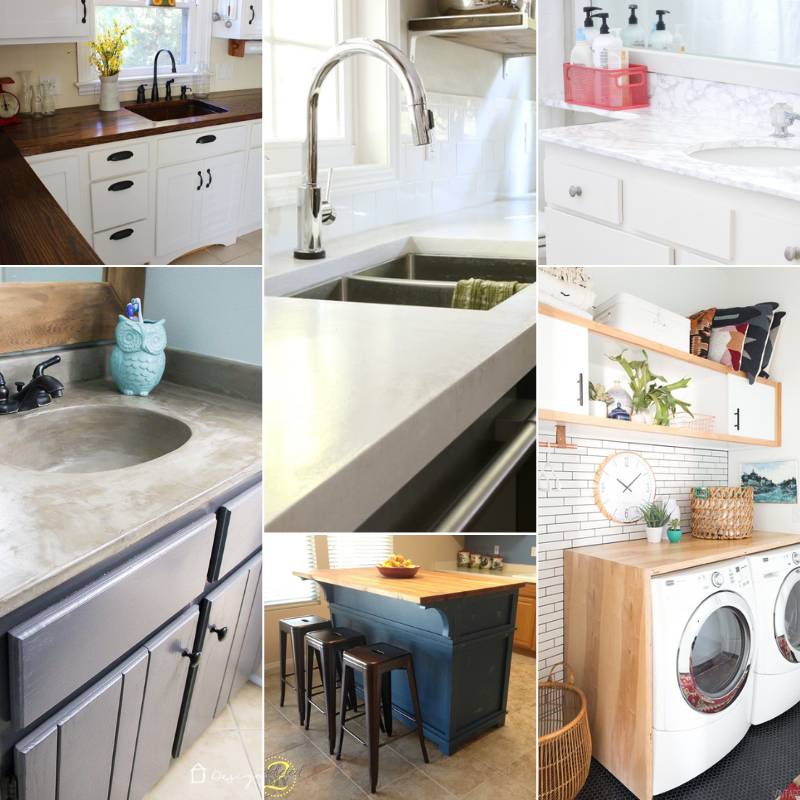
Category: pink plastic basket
[610,89]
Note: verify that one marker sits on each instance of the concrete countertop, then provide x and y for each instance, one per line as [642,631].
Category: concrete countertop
[665,142]
[54,526]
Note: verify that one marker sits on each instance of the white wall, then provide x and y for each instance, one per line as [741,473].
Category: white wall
[215,311]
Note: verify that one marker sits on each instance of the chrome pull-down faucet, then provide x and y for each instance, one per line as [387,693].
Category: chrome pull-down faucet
[782,116]
[312,210]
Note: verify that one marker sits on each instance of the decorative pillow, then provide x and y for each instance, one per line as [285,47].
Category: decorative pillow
[773,336]
[726,345]
[759,318]
[700,334]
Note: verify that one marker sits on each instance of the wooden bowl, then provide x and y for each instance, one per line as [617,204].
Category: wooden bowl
[398,572]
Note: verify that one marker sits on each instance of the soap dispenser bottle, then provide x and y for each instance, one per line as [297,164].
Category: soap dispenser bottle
[661,38]
[634,34]
[582,52]
[588,24]
[606,47]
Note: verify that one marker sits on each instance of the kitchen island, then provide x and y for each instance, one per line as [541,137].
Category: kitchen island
[459,629]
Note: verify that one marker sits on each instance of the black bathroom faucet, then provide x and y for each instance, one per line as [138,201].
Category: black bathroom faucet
[39,392]
[154,91]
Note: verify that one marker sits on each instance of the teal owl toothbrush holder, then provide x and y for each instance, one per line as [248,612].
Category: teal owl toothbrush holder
[138,359]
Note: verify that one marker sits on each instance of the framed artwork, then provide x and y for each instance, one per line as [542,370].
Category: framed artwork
[772,481]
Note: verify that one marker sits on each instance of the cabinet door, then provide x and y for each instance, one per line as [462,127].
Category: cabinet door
[62,178]
[220,195]
[251,216]
[751,409]
[252,18]
[46,19]
[767,239]
[562,367]
[178,204]
[526,623]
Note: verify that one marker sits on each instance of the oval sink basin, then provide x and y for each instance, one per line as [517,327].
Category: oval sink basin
[89,438]
[751,156]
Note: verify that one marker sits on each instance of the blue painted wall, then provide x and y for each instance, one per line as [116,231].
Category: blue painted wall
[514,549]
[50,274]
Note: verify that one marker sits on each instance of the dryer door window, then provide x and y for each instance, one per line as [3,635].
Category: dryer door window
[715,655]
[787,617]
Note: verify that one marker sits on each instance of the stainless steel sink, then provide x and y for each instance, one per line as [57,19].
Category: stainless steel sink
[355,289]
[87,439]
[415,266]
[174,109]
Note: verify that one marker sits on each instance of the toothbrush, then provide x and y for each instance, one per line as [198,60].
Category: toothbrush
[134,308]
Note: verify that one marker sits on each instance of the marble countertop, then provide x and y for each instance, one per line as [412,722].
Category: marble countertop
[54,526]
[360,397]
[665,143]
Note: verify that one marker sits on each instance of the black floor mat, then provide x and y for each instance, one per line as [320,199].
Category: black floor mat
[759,768]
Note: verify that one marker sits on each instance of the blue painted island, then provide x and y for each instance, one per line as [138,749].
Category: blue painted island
[459,628]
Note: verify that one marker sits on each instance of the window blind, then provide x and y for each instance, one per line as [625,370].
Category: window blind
[285,553]
[359,550]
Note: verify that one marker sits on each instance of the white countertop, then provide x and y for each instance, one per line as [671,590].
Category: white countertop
[505,229]
[359,397]
[664,143]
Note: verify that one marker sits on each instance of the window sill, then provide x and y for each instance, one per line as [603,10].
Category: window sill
[131,82]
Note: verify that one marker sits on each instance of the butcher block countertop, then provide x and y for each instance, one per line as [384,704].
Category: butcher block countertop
[657,559]
[426,587]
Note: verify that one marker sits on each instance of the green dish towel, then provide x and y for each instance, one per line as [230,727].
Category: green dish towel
[481,295]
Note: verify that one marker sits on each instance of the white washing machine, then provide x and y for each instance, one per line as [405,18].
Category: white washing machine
[776,579]
[703,649]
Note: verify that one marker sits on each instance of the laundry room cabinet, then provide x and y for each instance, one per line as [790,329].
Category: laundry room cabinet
[42,21]
[562,366]
[240,19]
[751,409]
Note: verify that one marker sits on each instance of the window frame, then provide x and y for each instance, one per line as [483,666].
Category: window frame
[198,47]
[311,595]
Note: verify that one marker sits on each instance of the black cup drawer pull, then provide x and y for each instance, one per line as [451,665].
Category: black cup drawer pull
[207,139]
[122,155]
[123,234]
[120,186]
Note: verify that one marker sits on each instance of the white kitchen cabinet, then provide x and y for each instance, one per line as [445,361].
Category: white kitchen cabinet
[751,409]
[63,176]
[239,19]
[253,192]
[32,21]
[218,215]
[562,366]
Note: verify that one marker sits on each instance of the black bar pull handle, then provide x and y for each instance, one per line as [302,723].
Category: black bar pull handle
[209,178]
[200,175]
[207,139]
[120,186]
[738,416]
[122,155]
[83,2]
[253,13]
[123,234]
[580,388]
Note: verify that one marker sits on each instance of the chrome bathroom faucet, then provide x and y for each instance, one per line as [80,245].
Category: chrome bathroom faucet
[782,116]
[314,211]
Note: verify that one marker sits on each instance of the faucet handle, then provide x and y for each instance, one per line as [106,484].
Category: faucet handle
[328,211]
[40,368]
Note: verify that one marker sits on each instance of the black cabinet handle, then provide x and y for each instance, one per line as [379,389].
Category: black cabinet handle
[84,11]
[738,416]
[122,155]
[200,175]
[123,234]
[193,657]
[253,17]
[207,139]
[209,178]
[221,632]
[580,388]
[120,186]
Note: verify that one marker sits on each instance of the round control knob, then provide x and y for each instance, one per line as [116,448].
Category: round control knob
[792,253]
[575,191]
[796,557]
[717,579]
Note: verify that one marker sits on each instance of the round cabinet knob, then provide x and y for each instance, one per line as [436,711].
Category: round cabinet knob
[575,191]
[796,557]
[221,632]
[717,579]
[792,253]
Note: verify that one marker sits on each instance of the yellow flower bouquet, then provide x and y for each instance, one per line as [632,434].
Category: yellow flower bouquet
[106,56]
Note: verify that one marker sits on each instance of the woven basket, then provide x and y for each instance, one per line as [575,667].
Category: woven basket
[722,512]
[565,743]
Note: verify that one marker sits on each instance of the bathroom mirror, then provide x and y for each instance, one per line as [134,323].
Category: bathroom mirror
[745,30]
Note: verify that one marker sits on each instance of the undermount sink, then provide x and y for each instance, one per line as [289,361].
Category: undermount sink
[87,439]
[174,109]
[418,280]
[760,156]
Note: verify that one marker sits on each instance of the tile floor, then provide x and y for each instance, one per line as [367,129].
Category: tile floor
[246,250]
[225,762]
[499,765]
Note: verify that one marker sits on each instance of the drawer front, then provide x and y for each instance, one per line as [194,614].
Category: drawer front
[58,651]
[201,143]
[676,216]
[583,191]
[121,159]
[572,240]
[89,745]
[238,531]
[127,244]
[119,201]
[763,239]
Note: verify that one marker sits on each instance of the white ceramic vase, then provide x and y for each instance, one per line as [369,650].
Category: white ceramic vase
[109,93]
[654,535]
[645,417]
[597,408]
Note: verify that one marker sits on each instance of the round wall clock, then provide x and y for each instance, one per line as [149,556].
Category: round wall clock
[622,484]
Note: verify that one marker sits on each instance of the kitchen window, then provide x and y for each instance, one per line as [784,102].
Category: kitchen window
[290,552]
[363,550]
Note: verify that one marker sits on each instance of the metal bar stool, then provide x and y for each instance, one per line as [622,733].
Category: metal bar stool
[327,646]
[375,663]
[297,628]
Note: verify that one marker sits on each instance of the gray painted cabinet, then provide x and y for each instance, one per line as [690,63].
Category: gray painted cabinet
[238,531]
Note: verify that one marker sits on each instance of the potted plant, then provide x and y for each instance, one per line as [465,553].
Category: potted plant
[106,58]
[653,402]
[655,516]
[674,532]
[599,398]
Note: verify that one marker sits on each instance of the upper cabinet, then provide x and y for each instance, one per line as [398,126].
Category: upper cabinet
[240,19]
[562,366]
[34,21]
